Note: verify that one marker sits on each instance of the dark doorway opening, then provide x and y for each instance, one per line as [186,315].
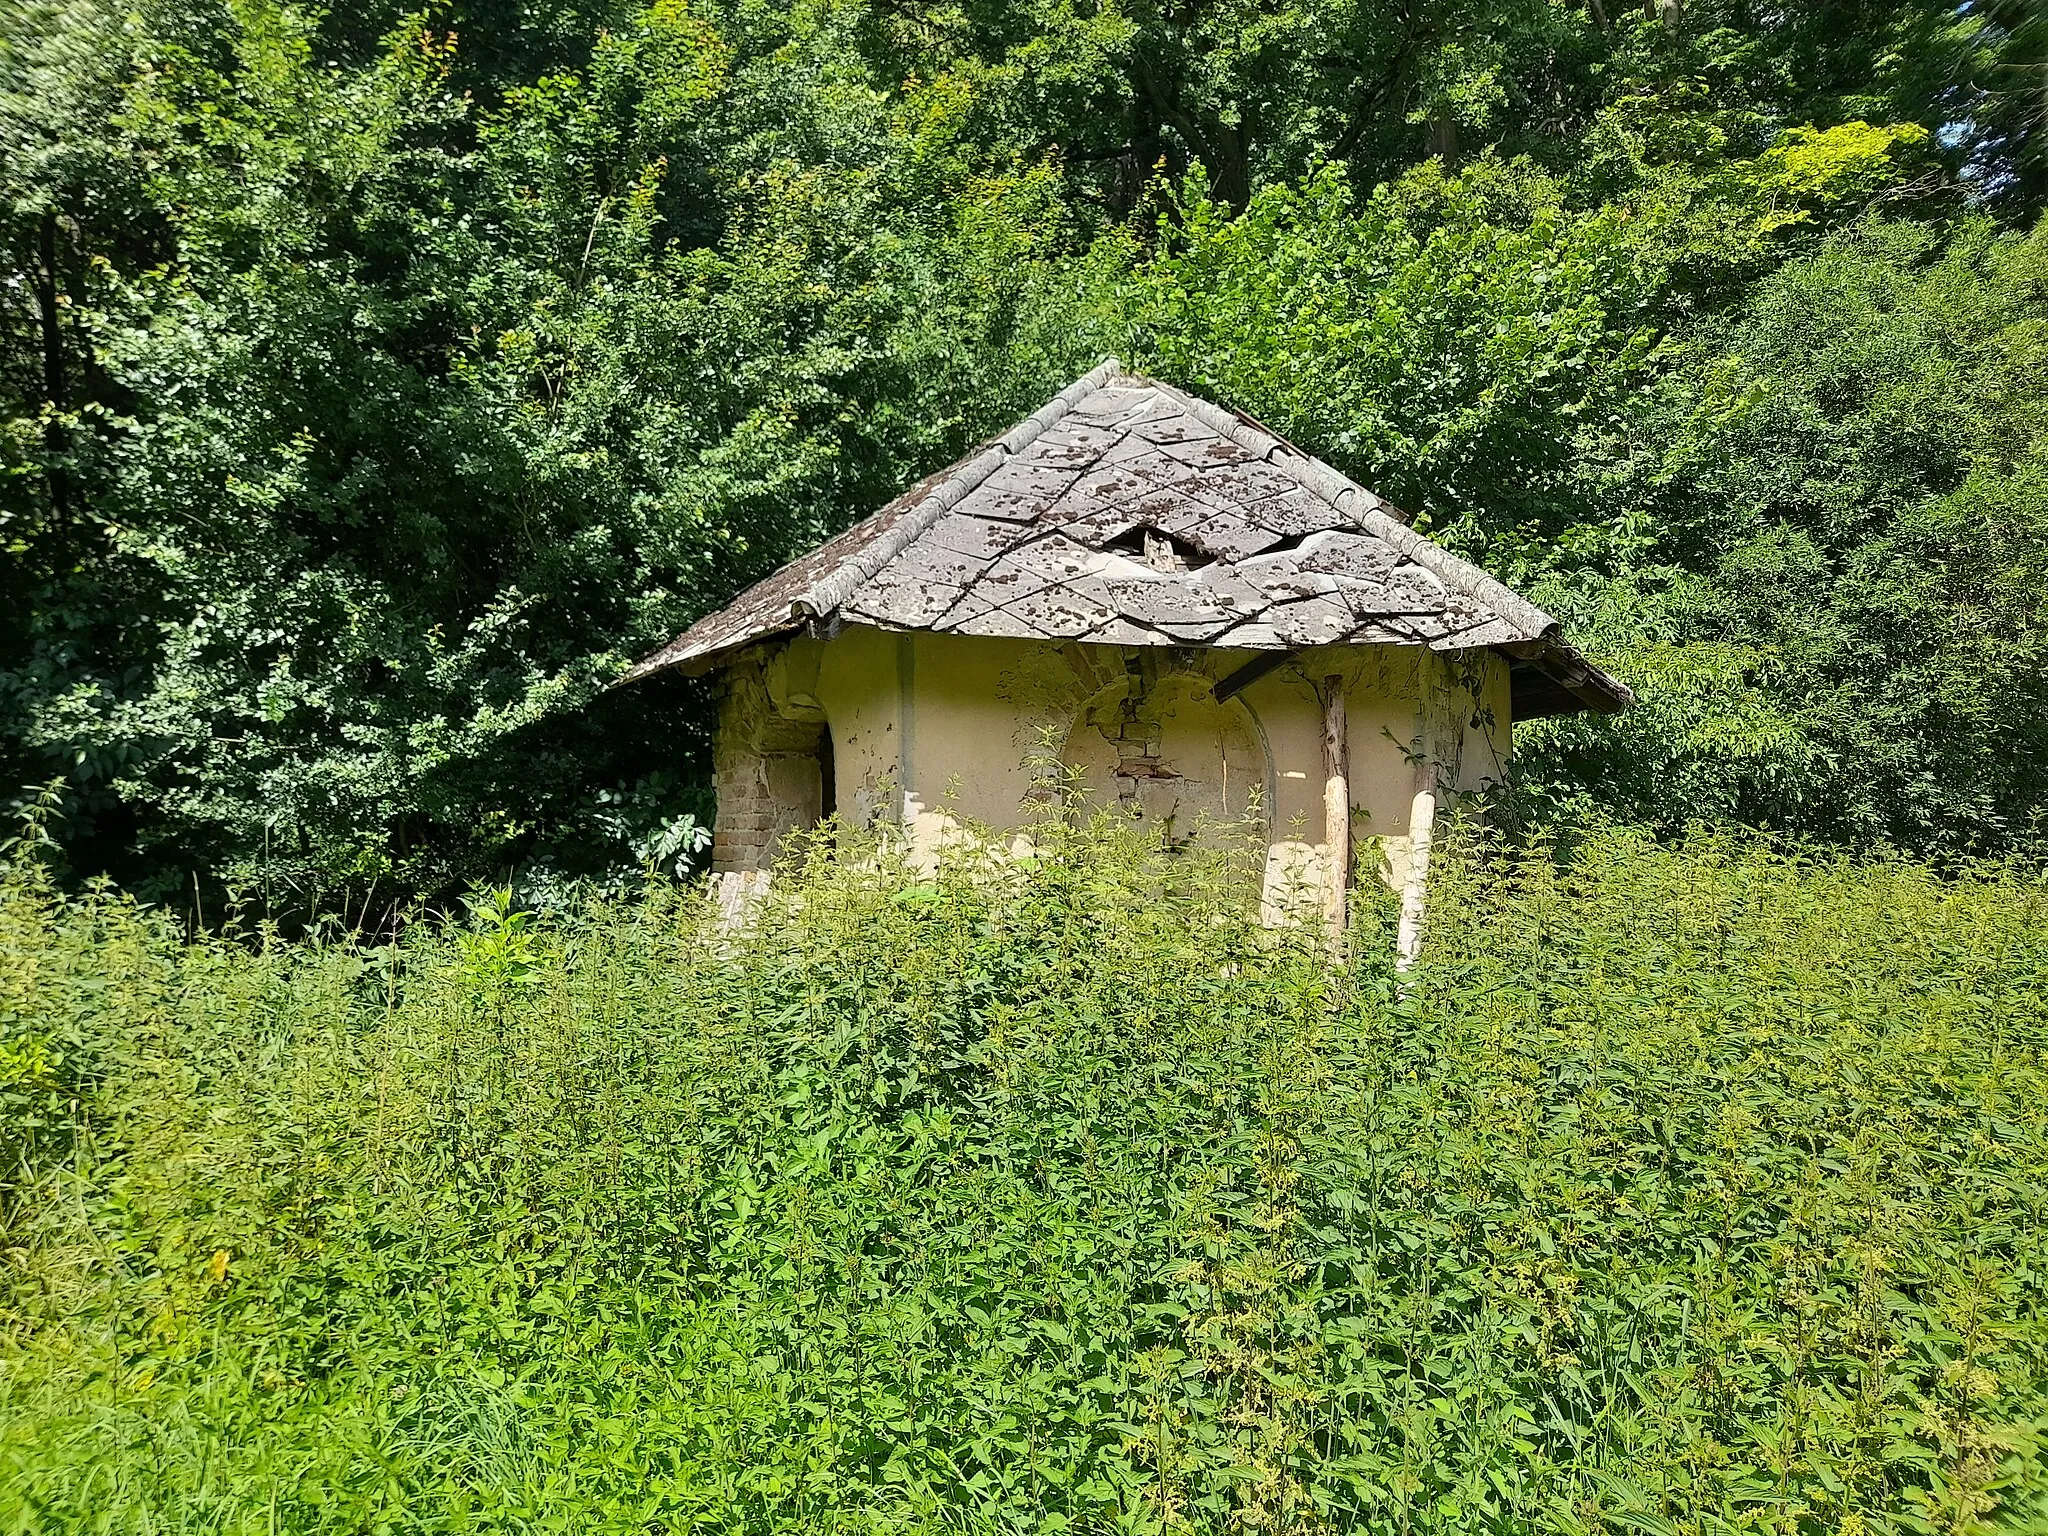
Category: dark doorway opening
[828,776]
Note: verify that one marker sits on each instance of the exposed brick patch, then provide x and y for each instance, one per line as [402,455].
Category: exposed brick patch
[766,767]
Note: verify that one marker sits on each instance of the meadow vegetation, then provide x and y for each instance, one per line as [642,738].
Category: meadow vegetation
[1685,1187]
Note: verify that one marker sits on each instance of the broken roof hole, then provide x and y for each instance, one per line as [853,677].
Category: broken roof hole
[1161,551]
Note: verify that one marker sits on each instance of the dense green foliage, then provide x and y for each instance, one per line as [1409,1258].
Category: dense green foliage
[1836,612]
[391,423]
[376,382]
[1692,1188]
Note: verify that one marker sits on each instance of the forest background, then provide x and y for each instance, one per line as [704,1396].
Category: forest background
[377,382]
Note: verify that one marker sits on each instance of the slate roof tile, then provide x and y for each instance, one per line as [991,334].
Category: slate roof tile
[976,537]
[1291,514]
[1059,613]
[1220,535]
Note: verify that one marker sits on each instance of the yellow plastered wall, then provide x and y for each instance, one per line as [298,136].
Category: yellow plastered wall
[935,731]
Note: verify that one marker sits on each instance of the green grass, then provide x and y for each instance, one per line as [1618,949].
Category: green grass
[1692,1188]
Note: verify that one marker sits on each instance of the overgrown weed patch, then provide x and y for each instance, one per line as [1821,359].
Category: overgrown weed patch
[1684,1188]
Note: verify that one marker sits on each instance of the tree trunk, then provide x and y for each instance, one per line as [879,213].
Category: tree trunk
[1443,138]
[50,320]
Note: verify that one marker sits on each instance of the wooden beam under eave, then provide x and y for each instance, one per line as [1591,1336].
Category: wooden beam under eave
[1251,672]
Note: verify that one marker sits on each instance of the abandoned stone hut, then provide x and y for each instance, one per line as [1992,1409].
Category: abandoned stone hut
[1208,623]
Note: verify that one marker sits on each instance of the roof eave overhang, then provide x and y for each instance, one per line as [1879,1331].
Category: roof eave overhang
[701,661]
[1570,684]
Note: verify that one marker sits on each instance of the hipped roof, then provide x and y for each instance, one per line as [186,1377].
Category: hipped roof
[1127,512]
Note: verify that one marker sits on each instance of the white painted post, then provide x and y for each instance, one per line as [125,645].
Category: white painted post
[1415,888]
[1336,814]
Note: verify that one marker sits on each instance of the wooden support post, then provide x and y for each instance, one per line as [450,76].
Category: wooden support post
[1415,888]
[1336,813]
